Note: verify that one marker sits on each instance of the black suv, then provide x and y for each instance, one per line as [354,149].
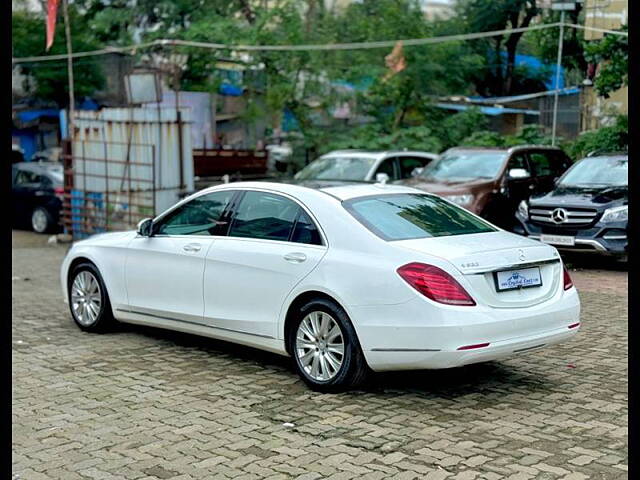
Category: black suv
[587,210]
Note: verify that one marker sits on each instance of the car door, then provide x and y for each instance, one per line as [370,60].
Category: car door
[24,192]
[163,272]
[517,186]
[273,243]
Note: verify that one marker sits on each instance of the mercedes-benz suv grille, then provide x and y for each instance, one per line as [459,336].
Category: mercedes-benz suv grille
[560,217]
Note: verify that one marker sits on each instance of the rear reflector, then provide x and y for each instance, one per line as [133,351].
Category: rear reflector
[574,325]
[435,283]
[477,345]
[568,283]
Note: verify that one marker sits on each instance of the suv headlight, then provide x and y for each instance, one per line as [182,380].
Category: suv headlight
[616,214]
[460,199]
[523,209]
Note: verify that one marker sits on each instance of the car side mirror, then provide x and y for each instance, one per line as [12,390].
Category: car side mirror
[518,173]
[417,171]
[382,178]
[145,227]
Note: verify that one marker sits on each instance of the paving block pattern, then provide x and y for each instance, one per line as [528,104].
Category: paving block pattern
[143,403]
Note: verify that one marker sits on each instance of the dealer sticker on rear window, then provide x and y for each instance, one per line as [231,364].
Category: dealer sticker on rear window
[513,279]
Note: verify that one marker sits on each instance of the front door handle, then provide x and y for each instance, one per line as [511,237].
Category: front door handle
[192,247]
[295,257]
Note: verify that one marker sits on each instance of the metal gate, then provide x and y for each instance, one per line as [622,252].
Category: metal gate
[108,186]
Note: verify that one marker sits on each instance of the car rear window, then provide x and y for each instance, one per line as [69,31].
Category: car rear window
[407,215]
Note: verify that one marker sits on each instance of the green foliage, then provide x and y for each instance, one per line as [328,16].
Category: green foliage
[28,35]
[529,135]
[612,138]
[612,53]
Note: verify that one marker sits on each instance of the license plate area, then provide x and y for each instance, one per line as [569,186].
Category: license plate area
[558,240]
[517,279]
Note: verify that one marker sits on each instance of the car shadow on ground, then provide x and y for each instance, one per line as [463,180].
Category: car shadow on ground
[489,378]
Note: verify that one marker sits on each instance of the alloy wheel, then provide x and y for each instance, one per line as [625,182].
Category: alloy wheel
[320,346]
[86,300]
[39,220]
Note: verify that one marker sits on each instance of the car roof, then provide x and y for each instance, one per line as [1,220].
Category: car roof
[340,193]
[505,149]
[38,166]
[376,154]
[347,192]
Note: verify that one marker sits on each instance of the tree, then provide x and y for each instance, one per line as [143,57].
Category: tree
[612,55]
[544,43]
[482,16]
[51,81]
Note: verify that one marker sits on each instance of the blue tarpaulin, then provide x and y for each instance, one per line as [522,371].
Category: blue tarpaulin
[493,111]
[31,115]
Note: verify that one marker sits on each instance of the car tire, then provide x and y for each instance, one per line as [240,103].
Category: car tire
[88,299]
[316,351]
[41,220]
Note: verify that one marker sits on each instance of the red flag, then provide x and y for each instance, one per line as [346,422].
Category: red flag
[52,13]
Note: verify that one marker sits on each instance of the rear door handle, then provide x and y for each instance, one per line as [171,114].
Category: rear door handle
[295,257]
[192,247]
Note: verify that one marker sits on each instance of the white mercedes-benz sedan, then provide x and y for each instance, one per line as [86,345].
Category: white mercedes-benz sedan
[345,279]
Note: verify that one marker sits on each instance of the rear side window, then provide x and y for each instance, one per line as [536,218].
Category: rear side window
[407,215]
[306,231]
[265,216]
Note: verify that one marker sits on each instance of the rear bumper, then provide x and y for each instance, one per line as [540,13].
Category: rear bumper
[603,239]
[407,360]
[416,336]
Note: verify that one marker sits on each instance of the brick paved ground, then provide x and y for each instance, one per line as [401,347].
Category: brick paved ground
[144,403]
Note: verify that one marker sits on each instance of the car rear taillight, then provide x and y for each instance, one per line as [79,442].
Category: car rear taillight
[435,283]
[568,283]
[59,192]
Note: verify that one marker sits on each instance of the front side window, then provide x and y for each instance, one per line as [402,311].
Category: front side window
[408,215]
[337,168]
[264,216]
[200,216]
[409,164]
[542,164]
[387,166]
[459,166]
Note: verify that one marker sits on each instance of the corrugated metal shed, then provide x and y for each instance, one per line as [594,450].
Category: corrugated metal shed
[148,138]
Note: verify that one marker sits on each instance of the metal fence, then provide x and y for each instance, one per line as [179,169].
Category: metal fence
[125,165]
[103,192]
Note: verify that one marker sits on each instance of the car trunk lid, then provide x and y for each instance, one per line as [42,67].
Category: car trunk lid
[479,256]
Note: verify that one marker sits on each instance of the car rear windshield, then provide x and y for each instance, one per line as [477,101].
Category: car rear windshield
[407,215]
[595,172]
[337,168]
[459,166]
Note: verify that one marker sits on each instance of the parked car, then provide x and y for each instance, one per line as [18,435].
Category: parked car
[37,194]
[491,182]
[342,279]
[351,166]
[587,211]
